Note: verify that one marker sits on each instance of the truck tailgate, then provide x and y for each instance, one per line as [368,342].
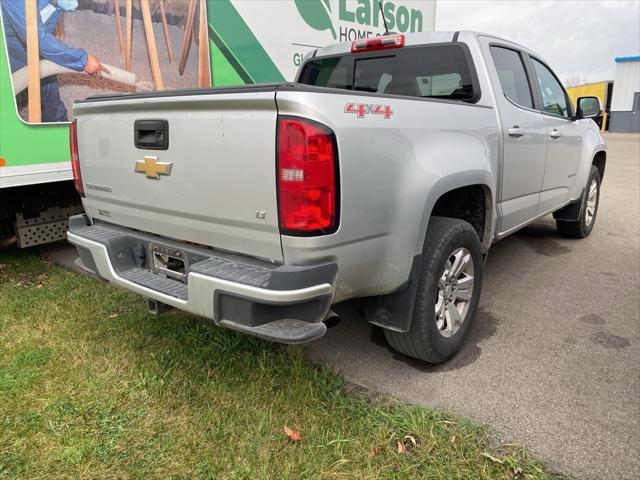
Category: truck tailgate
[216,180]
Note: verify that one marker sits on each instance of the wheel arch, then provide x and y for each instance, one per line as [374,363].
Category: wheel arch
[572,212]
[600,161]
[470,197]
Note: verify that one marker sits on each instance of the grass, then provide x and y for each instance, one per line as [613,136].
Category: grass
[91,386]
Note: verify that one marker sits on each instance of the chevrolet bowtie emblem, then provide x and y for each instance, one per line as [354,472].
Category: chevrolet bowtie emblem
[152,168]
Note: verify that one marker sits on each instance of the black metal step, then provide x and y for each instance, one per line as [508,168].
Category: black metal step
[286,330]
[156,282]
[233,271]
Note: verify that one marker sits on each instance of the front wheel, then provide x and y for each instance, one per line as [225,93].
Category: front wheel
[582,227]
[448,292]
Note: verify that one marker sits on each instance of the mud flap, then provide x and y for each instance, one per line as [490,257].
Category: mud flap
[572,211]
[395,310]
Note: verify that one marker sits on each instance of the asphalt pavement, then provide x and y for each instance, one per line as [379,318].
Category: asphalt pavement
[553,359]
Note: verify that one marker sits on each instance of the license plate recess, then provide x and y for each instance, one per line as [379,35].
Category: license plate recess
[168,261]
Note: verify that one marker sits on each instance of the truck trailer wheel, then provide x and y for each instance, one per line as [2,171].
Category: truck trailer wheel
[582,227]
[448,292]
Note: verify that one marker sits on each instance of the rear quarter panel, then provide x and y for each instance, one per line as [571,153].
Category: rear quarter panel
[392,171]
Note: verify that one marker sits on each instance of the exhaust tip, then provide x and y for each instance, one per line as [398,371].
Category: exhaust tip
[8,242]
[332,319]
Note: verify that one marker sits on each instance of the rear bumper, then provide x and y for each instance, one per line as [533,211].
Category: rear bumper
[277,302]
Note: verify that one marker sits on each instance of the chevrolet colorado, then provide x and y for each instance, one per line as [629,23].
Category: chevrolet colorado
[386,171]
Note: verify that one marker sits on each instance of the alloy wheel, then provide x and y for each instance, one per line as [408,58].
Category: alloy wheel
[455,290]
[592,201]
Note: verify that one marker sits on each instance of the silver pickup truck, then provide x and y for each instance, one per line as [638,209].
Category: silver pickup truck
[385,172]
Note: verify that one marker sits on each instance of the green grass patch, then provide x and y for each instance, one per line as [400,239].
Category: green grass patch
[92,386]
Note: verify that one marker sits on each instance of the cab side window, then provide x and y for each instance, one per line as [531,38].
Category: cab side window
[513,78]
[554,99]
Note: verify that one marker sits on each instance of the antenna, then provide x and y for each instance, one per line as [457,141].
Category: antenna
[386,29]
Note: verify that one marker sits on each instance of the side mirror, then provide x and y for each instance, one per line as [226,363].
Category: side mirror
[588,107]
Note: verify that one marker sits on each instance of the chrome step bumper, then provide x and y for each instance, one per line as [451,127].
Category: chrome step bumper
[277,302]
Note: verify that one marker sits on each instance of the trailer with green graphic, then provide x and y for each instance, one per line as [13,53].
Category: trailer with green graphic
[147,44]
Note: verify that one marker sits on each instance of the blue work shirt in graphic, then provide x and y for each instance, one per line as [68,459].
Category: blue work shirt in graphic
[15,34]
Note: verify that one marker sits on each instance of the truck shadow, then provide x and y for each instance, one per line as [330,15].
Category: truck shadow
[542,238]
[485,326]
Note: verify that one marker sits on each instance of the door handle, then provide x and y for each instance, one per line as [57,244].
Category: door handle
[555,134]
[515,131]
[151,134]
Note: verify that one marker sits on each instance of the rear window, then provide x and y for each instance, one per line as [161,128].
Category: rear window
[438,71]
[330,72]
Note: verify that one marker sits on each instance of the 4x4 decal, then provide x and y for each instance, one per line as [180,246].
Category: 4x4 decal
[363,109]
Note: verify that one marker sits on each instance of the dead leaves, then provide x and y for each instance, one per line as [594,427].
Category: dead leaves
[408,446]
[374,451]
[407,443]
[492,458]
[515,470]
[292,435]
[402,447]
[40,279]
[28,281]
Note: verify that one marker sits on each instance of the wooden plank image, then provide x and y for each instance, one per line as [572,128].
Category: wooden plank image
[129,9]
[33,61]
[151,45]
[186,40]
[116,4]
[204,71]
[165,28]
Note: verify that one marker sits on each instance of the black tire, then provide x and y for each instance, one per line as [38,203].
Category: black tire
[581,228]
[424,340]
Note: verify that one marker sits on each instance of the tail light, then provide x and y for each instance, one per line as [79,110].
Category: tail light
[75,159]
[377,43]
[307,177]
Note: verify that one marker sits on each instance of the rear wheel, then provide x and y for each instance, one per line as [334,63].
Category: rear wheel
[448,292]
[582,227]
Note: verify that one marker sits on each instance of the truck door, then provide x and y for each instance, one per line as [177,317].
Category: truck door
[524,134]
[565,135]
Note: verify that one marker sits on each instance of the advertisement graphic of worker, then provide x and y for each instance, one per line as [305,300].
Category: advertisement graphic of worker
[60,51]
[51,48]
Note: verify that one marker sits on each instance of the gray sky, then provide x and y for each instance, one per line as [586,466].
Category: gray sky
[577,38]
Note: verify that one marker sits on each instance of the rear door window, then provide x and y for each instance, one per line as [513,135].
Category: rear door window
[330,72]
[435,71]
[439,85]
[513,78]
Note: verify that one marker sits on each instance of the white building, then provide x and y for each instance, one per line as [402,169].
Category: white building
[625,103]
